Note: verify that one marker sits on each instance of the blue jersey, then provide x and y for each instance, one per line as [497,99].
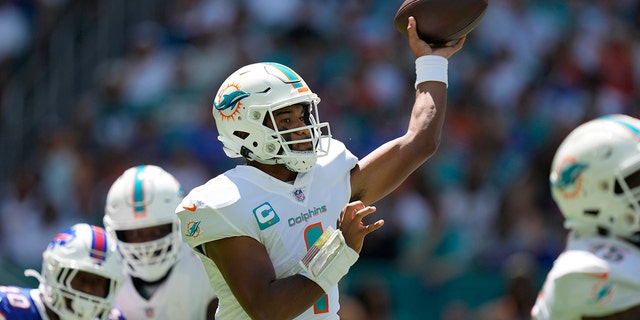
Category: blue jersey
[21,304]
[26,304]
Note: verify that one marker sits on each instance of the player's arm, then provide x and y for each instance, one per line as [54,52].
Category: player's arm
[247,269]
[211,308]
[383,170]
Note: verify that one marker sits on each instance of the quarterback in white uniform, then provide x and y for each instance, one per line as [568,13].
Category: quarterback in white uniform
[265,230]
[286,218]
[165,279]
[595,181]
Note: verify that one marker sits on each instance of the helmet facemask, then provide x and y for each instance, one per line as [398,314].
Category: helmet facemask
[70,303]
[627,190]
[150,260]
[72,264]
[282,147]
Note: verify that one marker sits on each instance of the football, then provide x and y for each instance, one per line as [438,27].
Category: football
[441,21]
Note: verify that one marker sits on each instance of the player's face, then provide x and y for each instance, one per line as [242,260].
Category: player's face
[145,234]
[90,283]
[291,117]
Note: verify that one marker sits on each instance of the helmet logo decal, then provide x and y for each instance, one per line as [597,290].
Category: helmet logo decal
[139,210]
[98,244]
[602,292]
[193,229]
[228,102]
[289,76]
[61,239]
[568,178]
[265,215]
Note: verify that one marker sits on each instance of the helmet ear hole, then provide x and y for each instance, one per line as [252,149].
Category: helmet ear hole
[592,212]
[241,134]
[633,180]
[603,231]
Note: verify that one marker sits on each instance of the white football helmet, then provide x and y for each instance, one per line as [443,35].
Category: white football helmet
[145,196]
[248,97]
[82,247]
[595,177]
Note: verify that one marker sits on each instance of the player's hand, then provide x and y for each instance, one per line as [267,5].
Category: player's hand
[421,48]
[350,223]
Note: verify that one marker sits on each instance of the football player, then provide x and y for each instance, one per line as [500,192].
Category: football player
[81,274]
[595,180]
[265,230]
[164,278]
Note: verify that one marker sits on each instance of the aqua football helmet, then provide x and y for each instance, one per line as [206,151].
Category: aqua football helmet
[145,196]
[245,103]
[82,247]
[595,177]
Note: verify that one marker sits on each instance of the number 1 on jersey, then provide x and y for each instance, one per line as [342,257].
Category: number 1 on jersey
[311,234]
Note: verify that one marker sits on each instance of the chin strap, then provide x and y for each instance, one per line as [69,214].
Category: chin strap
[247,154]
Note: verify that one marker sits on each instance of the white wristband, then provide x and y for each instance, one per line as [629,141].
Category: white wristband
[328,260]
[431,68]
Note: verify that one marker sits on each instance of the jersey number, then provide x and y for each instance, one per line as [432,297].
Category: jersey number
[15,297]
[311,234]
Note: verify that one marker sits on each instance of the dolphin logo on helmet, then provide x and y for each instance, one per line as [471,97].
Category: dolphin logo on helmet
[230,100]
[569,174]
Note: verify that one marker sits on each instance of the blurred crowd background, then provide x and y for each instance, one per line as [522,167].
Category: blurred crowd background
[89,88]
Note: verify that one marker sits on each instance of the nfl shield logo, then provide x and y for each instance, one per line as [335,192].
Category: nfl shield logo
[149,312]
[299,195]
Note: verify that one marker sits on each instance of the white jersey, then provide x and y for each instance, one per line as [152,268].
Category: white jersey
[286,218]
[185,293]
[594,276]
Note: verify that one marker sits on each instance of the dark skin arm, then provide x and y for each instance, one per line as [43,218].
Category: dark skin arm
[211,308]
[383,170]
[247,269]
